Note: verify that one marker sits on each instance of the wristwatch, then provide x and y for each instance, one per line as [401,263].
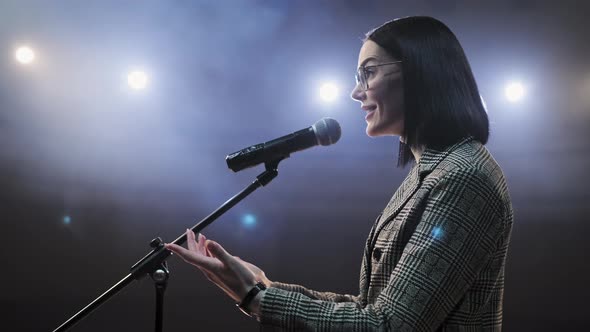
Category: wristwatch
[243,306]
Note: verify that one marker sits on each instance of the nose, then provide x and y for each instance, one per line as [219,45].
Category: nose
[357,93]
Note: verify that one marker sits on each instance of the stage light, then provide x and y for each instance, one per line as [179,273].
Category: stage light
[137,80]
[67,220]
[514,91]
[328,92]
[24,55]
[249,220]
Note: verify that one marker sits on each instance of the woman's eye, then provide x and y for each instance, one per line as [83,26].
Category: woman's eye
[369,72]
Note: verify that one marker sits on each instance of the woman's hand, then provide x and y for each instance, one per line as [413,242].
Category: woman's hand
[233,275]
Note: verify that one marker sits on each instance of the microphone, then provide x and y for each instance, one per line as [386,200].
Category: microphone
[324,132]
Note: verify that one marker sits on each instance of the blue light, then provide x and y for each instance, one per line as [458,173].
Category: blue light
[67,220]
[249,220]
[437,232]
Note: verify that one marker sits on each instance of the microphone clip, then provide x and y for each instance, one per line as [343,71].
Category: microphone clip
[271,171]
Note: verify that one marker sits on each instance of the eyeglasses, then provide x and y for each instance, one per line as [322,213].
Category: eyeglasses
[364,72]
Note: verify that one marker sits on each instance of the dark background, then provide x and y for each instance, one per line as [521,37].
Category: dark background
[126,166]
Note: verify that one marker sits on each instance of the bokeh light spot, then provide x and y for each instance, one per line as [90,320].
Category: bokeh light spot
[25,55]
[514,91]
[137,80]
[437,232]
[328,92]
[249,220]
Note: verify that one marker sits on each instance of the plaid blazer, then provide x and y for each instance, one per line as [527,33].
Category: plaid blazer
[434,260]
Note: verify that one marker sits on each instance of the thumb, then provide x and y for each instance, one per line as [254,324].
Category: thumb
[217,250]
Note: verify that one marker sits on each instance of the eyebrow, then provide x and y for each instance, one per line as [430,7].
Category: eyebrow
[372,57]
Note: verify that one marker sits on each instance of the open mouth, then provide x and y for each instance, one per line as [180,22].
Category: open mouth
[370,110]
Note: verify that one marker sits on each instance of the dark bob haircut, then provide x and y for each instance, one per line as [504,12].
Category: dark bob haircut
[441,99]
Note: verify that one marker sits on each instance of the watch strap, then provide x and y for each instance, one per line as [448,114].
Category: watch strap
[249,297]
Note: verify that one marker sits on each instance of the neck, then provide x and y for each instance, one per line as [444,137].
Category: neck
[417,152]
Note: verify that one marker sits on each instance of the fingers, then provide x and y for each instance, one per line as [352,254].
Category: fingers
[191,243]
[201,244]
[233,275]
[196,245]
[217,250]
[193,257]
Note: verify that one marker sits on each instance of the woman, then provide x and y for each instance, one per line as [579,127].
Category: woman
[434,260]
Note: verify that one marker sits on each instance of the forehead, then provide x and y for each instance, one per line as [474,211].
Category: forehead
[371,50]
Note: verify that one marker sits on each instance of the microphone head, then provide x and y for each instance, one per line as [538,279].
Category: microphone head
[327,131]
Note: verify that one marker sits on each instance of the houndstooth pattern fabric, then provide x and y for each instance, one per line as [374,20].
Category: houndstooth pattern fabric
[434,259]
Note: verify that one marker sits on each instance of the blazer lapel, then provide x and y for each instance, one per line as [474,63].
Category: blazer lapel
[399,198]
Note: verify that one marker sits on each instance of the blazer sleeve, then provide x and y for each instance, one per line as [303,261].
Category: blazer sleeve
[458,232]
[315,295]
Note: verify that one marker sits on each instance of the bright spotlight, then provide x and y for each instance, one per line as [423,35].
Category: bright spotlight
[249,220]
[514,91]
[137,80]
[24,55]
[328,92]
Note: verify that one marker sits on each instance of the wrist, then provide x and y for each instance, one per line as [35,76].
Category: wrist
[254,307]
[250,304]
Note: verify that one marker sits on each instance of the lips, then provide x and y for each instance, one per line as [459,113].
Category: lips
[370,109]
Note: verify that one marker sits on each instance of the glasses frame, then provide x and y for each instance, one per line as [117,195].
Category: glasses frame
[361,74]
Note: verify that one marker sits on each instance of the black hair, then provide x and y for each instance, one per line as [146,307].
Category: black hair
[441,98]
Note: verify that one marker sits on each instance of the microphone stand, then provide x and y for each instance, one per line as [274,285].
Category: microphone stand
[154,263]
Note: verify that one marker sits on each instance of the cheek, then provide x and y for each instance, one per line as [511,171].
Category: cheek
[394,97]
[389,85]
[381,95]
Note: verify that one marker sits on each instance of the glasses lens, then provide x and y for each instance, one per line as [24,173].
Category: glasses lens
[360,77]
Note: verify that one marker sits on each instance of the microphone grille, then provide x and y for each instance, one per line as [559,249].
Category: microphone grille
[327,131]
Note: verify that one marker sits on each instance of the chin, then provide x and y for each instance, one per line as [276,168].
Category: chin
[373,132]
[376,132]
